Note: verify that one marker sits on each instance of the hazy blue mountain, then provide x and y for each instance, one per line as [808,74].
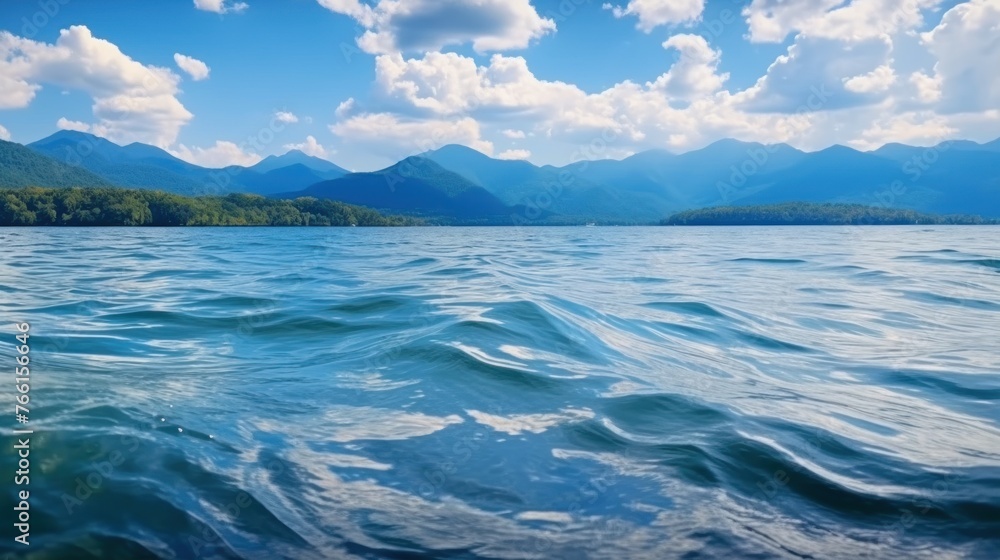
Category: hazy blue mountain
[416,186]
[509,180]
[23,167]
[136,165]
[958,177]
[281,180]
[148,167]
[462,183]
[956,180]
[836,174]
[904,153]
[543,190]
[640,188]
[324,168]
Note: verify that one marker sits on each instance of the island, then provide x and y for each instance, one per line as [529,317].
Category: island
[813,214]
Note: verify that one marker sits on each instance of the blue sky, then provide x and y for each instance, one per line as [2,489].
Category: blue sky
[366,83]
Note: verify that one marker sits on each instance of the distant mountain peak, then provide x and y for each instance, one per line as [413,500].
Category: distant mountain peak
[414,165]
[730,142]
[295,156]
[456,148]
[73,136]
[655,153]
[838,149]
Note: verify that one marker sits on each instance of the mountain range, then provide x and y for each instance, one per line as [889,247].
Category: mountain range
[462,185]
[148,167]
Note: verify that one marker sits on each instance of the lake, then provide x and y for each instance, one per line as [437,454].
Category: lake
[508,392]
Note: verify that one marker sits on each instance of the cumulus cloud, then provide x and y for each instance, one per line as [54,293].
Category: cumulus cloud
[132,101]
[221,154]
[695,73]
[221,6]
[514,154]
[388,134]
[345,108]
[513,134]
[928,88]
[286,117]
[15,93]
[821,74]
[195,68]
[854,20]
[428,25]
[968,54]
[65,124]
[653,13]
[624,118]
[876,81]
[4,133]
[310,147]
[921,129]
[449,83]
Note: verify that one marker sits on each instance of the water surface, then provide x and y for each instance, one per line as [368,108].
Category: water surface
[509,393]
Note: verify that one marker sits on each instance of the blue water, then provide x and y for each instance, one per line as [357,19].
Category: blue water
[508,393]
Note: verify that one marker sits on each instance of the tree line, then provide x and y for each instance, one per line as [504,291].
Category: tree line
[38,206]
[802,213]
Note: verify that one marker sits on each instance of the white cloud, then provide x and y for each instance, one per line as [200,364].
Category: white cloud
[773,20]
[65,124]
[801,100]
[310,147]
[815,73]
[968,53]
[286,117]
[653,13]
[852,20]
[876,81]
[428,25]
[921,129]
[4,133]
[928,87]
[222,154]
[195,68]
[221,6]
[694,75]
[514,154]
[345,108]
[15,93]
[132,101]
[389,135]
[450,85]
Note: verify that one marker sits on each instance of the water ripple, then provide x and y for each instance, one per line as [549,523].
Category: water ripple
[510,393]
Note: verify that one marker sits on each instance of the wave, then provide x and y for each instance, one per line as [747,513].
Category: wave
[398,394]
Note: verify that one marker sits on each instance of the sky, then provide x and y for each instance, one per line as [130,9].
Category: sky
[366,83]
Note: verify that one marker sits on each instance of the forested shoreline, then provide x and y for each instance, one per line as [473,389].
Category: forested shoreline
[38,206]
[801,213]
